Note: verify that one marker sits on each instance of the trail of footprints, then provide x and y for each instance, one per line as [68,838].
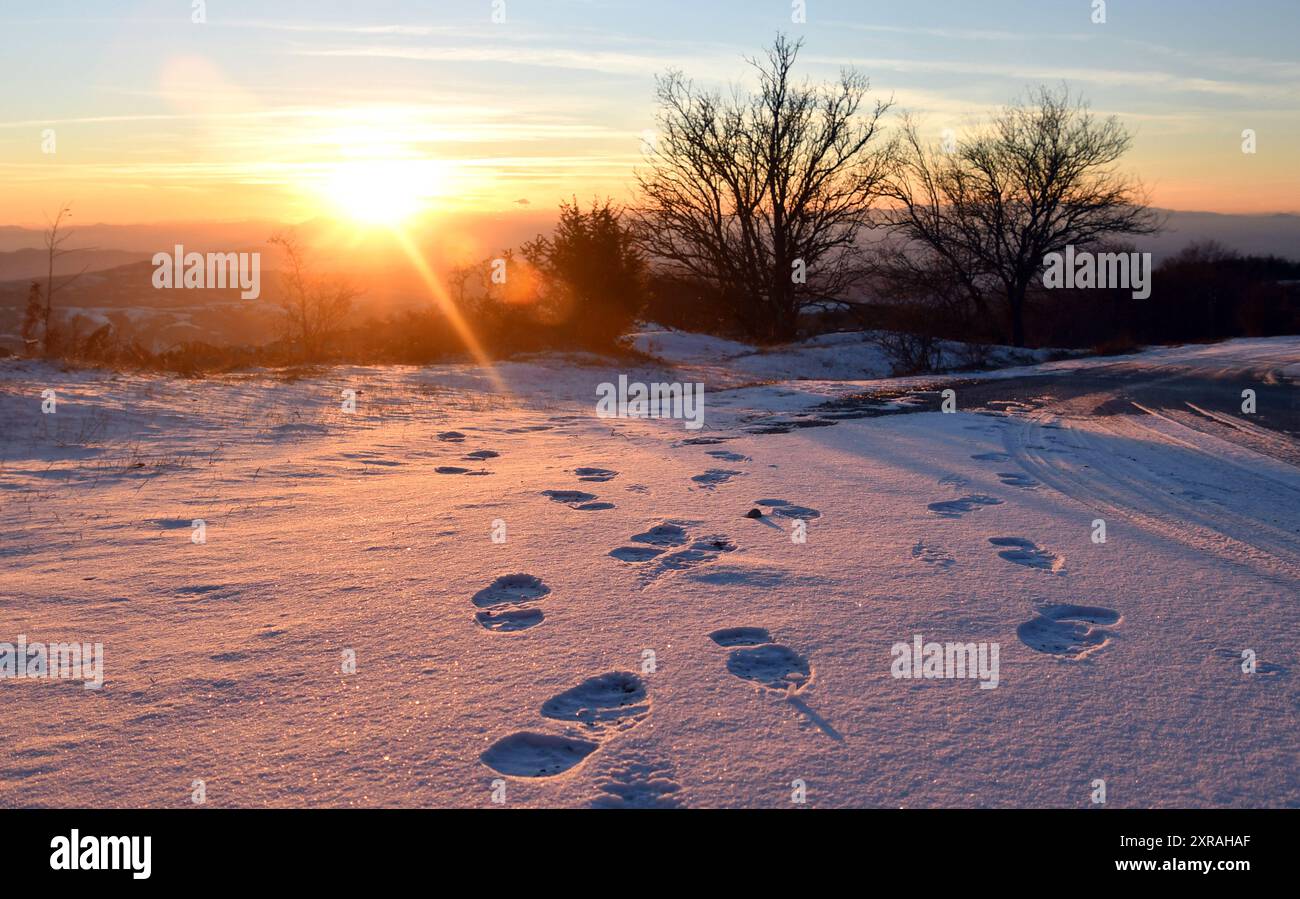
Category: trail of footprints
[481,455]
[508,604]
[592,711]
[601,707]
[1017,550]
[1061,629]
[581,499]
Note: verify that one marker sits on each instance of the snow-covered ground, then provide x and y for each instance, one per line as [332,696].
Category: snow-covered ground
[551,608]
[853,355]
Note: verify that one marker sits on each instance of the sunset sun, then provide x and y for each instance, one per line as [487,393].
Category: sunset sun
[379,191]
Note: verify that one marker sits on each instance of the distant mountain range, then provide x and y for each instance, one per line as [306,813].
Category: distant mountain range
[445,240]
[18,265]
[22,256]
[1263,235]
[117,288]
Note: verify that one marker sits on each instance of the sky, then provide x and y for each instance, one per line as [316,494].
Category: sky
[286,110]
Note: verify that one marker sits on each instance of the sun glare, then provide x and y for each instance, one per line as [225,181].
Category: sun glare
[380,191]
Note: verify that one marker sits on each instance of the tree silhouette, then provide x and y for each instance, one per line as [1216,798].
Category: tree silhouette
[762,196]
[982,214]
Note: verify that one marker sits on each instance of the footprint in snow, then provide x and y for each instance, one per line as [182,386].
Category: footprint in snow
[1028,553]
[514,591]
[479,455]
[991,457]
[577,499]
[761,661]
[667,534]
[1069,631]
[715,476]
[511,589]
[510,619]
[528,754]
[1016,479]
[787,509]
[451,436]
[635,553]
[687,551]
[728,456]
[703,549]
[594,711]
[740,636]
[569,497]
[613,701]
[956,508]
[773,667]
[595,474]
[658,539]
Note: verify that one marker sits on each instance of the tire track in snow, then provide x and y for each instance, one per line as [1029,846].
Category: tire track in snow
[1111,482]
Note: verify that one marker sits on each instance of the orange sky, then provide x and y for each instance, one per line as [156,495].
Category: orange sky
[143,115]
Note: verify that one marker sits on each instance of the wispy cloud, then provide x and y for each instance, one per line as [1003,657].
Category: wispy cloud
[608,62]
[1148,80]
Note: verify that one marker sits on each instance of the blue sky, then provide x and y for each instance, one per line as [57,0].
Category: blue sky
[252,112]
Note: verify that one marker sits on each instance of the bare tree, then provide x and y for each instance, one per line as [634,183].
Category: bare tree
[983,214]
[473,286]
[459,278]
[316,305]
[32,317]
[55,237]
[762,196]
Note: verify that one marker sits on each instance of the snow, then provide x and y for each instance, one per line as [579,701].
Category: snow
[852,355]
[657,647]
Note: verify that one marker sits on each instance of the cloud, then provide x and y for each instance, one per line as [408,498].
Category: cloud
[1156,81]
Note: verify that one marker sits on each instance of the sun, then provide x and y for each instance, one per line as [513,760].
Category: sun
[379,191]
